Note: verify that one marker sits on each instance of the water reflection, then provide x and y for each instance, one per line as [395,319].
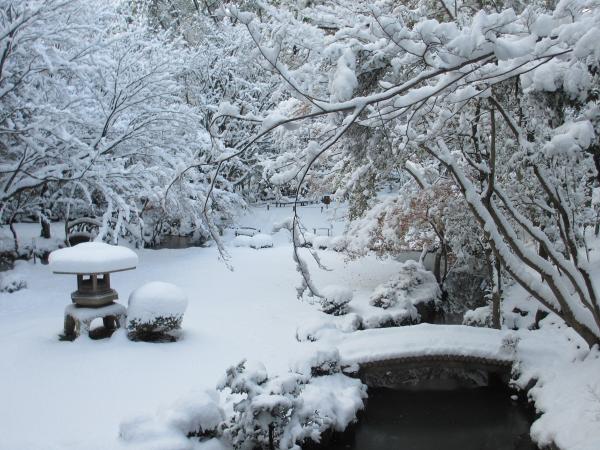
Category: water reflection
[459,419]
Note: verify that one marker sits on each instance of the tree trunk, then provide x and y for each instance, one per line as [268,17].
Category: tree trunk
[45,232]
[497,295]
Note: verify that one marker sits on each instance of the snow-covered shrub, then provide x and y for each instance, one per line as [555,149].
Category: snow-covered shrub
[510,343]
[257,241]
[384,296]
[413,285]
[242,241]
[155,312]
[338,243]
[289,410]
[392,318]
[478,317]
[261,410]
[260,240]
[323,327]
[323,361]
[12,282]
[335,299]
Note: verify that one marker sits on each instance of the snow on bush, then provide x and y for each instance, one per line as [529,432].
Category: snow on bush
[292,409]
[322,361]
[479,317]
[155,312]
[199,414]
[257,241]
[335,299]
[261,241]
[411,286]
[322,328]
[12,281]
[254,411]
[338,243]
[392,318]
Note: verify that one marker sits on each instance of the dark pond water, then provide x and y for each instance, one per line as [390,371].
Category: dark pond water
[457,419]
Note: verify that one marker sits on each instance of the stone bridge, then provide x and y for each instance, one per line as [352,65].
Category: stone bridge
[407,356]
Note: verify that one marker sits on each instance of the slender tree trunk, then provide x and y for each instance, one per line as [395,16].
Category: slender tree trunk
[45,232]
[497,294]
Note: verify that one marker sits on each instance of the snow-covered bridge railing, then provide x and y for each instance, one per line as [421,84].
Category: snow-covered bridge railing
[393,357]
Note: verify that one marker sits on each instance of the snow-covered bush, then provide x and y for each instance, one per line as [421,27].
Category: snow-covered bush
[338,243]
[12,282]
[289,410]
[396,317]
[261,240]
[323,327]
[411,286]
[335,299]
[479,317]
[323,361]
[384,296]
[251,410]
[155,312]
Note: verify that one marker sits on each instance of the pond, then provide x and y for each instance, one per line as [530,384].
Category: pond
[482,418]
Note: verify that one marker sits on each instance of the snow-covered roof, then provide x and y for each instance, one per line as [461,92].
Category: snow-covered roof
[92,257]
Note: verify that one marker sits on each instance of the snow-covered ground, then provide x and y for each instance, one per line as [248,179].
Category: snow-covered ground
[62,395]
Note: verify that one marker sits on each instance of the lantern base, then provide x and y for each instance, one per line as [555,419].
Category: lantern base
[78,319]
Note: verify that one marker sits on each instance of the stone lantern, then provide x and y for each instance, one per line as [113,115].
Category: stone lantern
[92,263]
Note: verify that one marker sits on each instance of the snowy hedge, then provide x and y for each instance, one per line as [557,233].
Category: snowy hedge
[155,312]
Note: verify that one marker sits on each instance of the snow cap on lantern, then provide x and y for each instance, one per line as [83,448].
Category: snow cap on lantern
[92,257]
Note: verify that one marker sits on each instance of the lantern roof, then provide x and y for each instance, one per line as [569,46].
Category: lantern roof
[92,258]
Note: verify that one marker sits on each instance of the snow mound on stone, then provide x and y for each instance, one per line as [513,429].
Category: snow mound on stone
[92,257]
[156,299]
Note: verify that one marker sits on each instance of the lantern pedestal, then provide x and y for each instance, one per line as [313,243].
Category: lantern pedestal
[78,319]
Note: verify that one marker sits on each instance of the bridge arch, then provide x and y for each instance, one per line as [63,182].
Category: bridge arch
[410,371]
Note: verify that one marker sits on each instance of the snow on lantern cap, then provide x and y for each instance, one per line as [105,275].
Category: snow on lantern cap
[92,258]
